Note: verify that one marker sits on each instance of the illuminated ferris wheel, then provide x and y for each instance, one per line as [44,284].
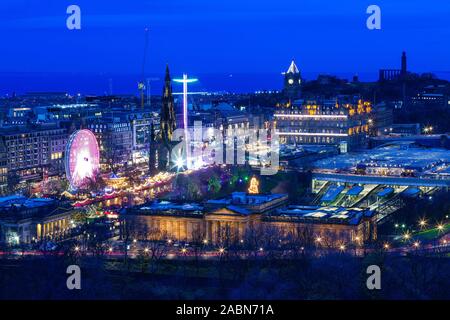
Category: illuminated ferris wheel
[82,159]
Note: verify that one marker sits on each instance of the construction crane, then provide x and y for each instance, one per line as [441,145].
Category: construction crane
[149,93]
[141,84]
[144,84]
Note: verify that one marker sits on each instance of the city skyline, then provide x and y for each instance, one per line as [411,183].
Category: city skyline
[232,151]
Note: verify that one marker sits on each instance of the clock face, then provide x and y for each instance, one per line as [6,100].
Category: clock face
[291,81]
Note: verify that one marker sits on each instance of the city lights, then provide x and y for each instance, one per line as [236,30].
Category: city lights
[320,134]
[179,163]
[252,184]
[185,81]
[82,160]
[422,223]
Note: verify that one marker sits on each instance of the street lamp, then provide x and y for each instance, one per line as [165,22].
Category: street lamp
[422,223]
[179,163]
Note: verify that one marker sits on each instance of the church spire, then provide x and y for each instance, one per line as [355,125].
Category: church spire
[168,120]
[293,68]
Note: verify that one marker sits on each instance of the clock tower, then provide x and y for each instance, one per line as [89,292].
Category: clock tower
[292,82]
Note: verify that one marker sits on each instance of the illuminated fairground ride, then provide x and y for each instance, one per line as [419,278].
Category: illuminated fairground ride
[82,159]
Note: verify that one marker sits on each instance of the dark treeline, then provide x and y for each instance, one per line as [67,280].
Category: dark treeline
[330,276]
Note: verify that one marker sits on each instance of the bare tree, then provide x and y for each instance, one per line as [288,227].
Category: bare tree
[198,245]
[157,247]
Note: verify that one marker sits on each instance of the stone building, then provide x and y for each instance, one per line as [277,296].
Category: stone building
[24,220]
[32,152]
[230,220]
[327,122]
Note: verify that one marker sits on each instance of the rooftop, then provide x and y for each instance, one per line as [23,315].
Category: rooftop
[400,155]
[23,202]
[315,214]
[168,208]
[242,198]
[167,205]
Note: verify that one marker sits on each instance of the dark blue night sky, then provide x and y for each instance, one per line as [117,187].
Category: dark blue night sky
[253,40]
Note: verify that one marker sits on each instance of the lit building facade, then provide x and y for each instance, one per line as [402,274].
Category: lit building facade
[115,139]
[325,123]
[24,221]
[234,219]
[3,167]
[33,153]
[381,119]
[429,100]
[326,226]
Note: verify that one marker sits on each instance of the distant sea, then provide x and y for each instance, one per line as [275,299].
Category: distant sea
[102,83]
